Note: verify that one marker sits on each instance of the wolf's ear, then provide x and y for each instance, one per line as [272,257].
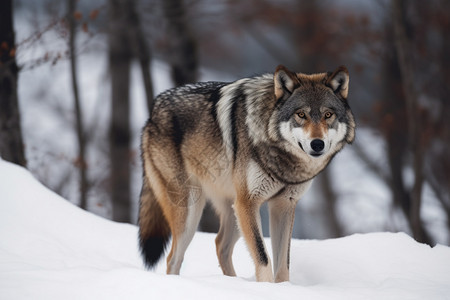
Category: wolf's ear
[285,81]
[338,81]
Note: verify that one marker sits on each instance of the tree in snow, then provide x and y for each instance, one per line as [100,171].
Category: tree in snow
[11,143]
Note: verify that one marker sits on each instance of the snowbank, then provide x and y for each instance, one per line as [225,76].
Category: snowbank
[50,249]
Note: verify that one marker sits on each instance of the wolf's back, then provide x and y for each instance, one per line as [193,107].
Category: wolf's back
[154,231]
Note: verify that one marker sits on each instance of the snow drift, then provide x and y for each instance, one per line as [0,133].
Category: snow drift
[50,249]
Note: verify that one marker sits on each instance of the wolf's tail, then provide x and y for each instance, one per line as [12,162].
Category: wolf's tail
[154,231]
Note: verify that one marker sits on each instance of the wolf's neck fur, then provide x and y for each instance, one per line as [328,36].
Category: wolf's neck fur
[287,167]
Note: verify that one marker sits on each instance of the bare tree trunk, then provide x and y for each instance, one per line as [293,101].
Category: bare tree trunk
[120,55]
[11,142]
[184,69]
[81,160]
[144,60]
[311,56]
[143,54]
[183,47]
[394,129]
[438,170]
[330,198]
[403,47]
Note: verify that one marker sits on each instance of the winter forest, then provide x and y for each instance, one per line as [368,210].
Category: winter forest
[78,79]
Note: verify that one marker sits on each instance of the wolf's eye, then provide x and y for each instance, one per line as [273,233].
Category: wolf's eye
[328,115]
[301,115]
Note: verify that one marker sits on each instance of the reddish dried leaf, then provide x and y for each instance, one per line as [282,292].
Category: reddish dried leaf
[4,46]
[77,15]
[93,15]
[79,163]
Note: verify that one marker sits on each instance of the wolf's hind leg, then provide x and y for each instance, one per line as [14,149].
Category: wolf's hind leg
[184,224]
[226,239]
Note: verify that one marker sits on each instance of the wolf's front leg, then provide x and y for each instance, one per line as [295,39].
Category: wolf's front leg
[282,212]
[247,213]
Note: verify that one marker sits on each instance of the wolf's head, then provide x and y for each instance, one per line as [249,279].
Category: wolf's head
[313,113]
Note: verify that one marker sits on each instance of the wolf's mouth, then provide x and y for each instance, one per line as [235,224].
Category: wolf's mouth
[316,154]
[300,144]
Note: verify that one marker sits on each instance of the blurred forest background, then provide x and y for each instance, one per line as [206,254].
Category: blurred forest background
[77,79]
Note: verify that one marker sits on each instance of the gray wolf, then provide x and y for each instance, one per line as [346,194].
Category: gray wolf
[238,145]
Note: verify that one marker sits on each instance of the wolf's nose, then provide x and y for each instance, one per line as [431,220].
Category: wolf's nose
[317,145]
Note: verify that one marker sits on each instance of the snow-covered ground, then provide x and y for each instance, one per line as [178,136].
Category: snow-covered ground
[51,249]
